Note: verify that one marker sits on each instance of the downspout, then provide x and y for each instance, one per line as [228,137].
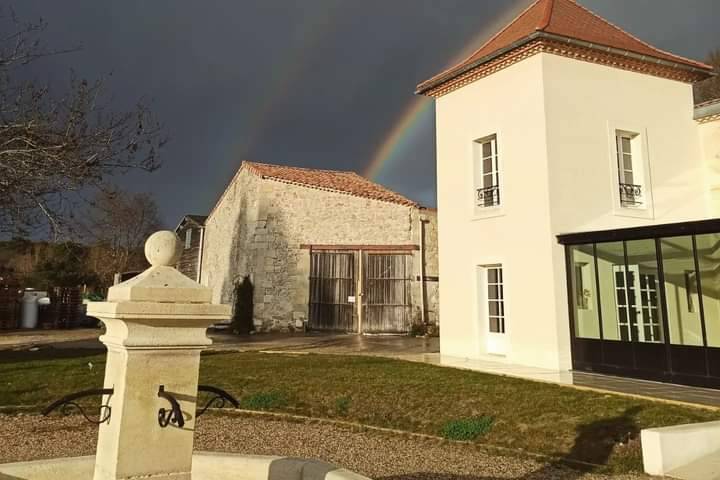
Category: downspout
[200,253]
[421,224]
[360,297]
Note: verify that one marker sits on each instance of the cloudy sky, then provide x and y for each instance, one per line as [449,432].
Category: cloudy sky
[312,83]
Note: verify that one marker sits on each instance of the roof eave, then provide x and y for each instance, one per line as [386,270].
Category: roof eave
[443,78]
[449,75]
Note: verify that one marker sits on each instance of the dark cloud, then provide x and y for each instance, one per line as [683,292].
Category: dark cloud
[317,83]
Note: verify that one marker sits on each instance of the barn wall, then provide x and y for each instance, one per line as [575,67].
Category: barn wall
[188,263]
[260,226]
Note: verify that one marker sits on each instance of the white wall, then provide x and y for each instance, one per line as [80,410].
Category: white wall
[584,101]
[555,120]
[709,133]
[510,104]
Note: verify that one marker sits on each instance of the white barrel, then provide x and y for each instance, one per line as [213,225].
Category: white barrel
[30,308]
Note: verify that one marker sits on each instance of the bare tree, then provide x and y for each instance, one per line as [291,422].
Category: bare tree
[710,88]
[54,149]
[117,224]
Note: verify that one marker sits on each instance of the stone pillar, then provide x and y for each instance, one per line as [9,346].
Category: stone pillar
[156,325]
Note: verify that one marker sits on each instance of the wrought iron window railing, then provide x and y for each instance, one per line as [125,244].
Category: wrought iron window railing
[630,194]
[488,196]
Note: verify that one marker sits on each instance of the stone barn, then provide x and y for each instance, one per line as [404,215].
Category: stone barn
[324,250]
[191,230]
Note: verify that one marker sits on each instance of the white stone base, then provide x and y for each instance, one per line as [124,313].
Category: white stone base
[688,452]
[206,466]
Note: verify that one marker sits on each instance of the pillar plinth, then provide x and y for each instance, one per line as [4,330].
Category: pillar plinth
[155,330]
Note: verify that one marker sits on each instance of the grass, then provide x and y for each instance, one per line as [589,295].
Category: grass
[534,417]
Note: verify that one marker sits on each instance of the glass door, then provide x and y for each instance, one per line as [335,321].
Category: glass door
[638,316]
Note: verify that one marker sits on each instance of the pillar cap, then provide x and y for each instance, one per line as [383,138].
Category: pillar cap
[160,289]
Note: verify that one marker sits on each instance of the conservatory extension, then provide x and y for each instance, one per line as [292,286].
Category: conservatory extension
[645,302]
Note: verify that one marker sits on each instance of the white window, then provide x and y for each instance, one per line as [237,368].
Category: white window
[583,280]
[495,298]
[630,169]
[188,238]
[486,174]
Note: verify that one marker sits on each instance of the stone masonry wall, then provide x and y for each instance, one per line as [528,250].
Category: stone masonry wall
[228,233]
[260,224]
[188,263]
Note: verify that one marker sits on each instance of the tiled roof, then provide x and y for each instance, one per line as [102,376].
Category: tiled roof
[331,180]
[565,19]
[197,219]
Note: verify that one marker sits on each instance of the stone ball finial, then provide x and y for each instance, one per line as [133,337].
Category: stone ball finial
[163,248]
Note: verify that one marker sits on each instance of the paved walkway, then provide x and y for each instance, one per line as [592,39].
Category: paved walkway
[629,386]
[379,345]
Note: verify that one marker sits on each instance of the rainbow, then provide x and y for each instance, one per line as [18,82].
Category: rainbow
[420,109]
[283,79]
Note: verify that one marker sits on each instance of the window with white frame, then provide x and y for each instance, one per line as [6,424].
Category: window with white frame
[495,298]
[486,172]
[630,171]
[188,238]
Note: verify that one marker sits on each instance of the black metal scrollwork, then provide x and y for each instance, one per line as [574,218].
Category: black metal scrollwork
[174,415]
[630,194]
[67,403]
[218,399]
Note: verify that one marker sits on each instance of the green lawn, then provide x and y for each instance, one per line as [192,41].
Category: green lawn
[518,414]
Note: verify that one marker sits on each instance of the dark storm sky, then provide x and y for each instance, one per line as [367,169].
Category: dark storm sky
[313,83]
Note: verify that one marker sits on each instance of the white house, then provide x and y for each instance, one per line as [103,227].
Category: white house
[578,190]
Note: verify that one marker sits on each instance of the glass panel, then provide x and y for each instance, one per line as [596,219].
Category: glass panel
[611,271]
[681,291]
[486,150]
[708,252]
[487,165]
[628,178]
[493,292]
[492,274]
[642,287]
[625,144]
[628,162]
[584,291]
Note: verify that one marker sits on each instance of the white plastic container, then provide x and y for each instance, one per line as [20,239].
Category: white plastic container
[30,306]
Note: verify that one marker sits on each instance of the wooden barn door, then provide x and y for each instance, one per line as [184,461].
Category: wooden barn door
[387,280]
[332,283]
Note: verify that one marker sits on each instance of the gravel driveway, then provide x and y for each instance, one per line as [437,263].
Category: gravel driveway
[380,456]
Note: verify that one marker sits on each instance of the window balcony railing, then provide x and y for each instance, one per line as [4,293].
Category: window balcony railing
[630,194]
[488,196]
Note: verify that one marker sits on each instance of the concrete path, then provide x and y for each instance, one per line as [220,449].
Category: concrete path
[379,345]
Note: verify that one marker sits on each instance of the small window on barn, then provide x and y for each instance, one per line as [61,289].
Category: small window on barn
[188,238]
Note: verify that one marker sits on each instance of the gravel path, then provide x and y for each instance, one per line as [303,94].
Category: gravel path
[380,456]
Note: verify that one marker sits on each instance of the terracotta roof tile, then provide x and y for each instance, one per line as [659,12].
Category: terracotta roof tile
[565,18]
[332,180]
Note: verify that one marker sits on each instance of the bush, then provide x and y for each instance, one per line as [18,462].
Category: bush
[263,401]
[418,329]
[342,405]
[242,321]
[467,428]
